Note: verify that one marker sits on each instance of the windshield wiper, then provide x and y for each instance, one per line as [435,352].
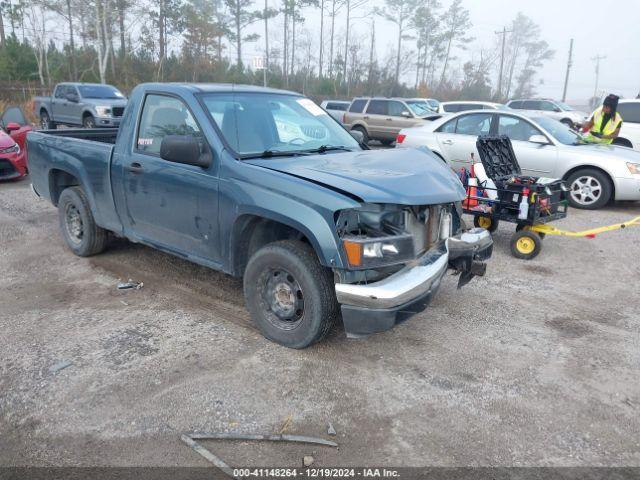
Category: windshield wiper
[328,148]
[274,153]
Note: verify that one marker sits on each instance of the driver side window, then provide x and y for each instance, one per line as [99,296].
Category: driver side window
[396,109]
[516,128]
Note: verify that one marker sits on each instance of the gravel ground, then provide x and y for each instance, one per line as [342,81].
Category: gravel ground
[535,364]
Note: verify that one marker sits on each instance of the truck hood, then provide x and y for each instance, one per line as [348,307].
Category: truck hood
[404,176]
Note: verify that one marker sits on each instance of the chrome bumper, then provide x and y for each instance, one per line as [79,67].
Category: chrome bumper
[417,279]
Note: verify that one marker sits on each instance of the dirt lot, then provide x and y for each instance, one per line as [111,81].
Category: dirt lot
[535,364]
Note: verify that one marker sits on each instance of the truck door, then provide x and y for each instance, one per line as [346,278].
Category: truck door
[74,106]
[58,103]
[170,205]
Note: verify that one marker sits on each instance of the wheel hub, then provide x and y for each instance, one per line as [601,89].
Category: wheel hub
[74,223]
[586,190]
[284,298]
[526,245]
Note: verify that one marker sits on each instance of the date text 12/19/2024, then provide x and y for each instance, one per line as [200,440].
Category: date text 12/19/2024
[315,473]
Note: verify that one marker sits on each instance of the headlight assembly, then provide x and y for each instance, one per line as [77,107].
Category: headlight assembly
[634,168]
[103,111]
[15,148]
[367,252]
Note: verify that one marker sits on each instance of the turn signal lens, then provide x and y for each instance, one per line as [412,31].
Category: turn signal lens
[400,138]
[354,252]
[634,168]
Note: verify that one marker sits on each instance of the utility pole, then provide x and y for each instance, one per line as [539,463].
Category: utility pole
[597,59]
[504,36]
[266,43]
[566,77]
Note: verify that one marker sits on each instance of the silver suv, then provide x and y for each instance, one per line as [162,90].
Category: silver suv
[551,108]
[382,118]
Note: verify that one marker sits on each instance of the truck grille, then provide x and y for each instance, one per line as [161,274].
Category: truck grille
[6,168]
[425,226]
[117,111]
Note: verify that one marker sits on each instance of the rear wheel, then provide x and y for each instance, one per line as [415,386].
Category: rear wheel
[365,135]
[45,121]
[525,244]
[79,229]
[290,296]
[487,223]
[589,189]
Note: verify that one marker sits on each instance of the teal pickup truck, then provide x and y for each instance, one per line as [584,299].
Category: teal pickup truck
[263,184]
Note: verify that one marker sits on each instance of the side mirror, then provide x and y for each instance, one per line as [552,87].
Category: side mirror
[406,114]
[12,127]
[358,135]
[73,98]
[557,109]
[539,139]
[185,149]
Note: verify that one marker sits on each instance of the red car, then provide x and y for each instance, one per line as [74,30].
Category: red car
[13,144]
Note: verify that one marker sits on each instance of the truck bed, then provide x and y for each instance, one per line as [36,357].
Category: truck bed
[103,135]
[75,157]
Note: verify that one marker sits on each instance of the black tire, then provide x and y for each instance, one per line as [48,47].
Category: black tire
[525,244]
[597,182]
[311,308]
[520,227]
[480,222]
[86,238]
[45,121]
[365,135]
[88,121]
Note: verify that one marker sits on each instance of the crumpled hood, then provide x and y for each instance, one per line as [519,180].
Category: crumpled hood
[404,176]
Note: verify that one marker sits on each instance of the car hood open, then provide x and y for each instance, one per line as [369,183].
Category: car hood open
[403,176]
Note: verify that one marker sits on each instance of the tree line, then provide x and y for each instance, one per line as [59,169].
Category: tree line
[313,46]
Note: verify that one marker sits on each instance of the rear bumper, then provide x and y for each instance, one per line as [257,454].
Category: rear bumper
[379,306]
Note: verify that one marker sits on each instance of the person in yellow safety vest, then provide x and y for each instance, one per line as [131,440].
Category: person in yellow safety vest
[604,124]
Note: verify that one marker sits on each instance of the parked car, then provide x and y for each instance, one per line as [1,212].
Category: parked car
[382,118]
[87,104]
[13,161]
[550,108]
[336,108]
[630,132]
[461,106]
[14,122]
[315,227]
[433,103]
[544,147]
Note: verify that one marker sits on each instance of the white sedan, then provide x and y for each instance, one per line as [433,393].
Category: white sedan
[544,147]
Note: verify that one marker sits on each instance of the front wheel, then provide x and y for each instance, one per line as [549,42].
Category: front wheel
[290,296]
[89,122]
[83,236]
[589,189]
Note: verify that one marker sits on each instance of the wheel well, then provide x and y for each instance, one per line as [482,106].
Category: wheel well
[566,120]
[86,114]
[590,167]
[439,156]
[623,142]
[43,110]
[252,232]
[58,181]
[359,126]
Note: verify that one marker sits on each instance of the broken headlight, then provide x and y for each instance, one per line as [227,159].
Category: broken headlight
[379,235]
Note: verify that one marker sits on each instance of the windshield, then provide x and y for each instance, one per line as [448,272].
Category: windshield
[100,91]
[559,131]
[564,106]
[434,104]
[267,124]
[419,107]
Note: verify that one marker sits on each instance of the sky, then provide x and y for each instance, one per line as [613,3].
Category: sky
[598,27]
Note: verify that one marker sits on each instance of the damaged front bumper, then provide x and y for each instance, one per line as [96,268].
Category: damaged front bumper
[378,306]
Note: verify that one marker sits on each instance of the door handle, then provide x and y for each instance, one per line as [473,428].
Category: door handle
[447,142]
[389,119]
[135,167]
[366,117]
